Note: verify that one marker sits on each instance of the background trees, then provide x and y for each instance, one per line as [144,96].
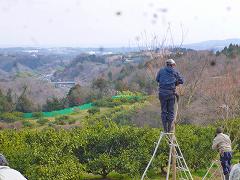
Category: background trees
[24,104]
[6,103]
[54,103]
[74,96]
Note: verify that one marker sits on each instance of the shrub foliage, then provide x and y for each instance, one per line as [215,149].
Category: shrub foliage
[100,148]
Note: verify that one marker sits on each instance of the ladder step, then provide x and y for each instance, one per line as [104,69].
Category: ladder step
[172,144]
[179,157]
[182,169]
[167,133]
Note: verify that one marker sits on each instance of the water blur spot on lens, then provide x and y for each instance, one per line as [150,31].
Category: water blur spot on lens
[228,8]
[34,40]
[213,63]
[118,13]
[150,4]
[137,38]
[163,10]
[145,14]
[195,18]
[77,3]
[154,22]
[67,10]
[50,21]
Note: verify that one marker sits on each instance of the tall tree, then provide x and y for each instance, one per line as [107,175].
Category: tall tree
[74,96]
[23,103]
[53,104]
[100,84]
[6,104]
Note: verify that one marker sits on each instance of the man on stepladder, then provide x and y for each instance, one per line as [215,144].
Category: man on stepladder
[168,78]
[222,143]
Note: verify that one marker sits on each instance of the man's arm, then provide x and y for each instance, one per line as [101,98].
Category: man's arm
[215,144]
[158,76]
[179,79]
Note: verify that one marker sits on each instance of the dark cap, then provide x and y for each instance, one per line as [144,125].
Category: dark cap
[219,130]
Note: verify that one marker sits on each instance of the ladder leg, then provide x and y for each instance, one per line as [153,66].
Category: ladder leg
[181,165]
[154,153]
[208,171]
[169,160]
[183,159]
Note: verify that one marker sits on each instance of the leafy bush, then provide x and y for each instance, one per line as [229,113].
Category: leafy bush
[17,114]
[11,117]
[63,120]
[45,154]
[105,102]
[72,121]
[27,124]
[37,114]
[93,110]
[63,117]
[196,143]
[50,124]
[110,148]
[42,121]
[102,148]
[60,122]
[127,150]
[55,103]
[112,102]
[122,115]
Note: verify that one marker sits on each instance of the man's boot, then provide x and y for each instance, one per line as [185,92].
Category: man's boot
[170,127]
[226,176]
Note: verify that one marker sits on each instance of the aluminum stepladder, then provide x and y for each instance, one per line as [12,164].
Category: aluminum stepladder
[181,165]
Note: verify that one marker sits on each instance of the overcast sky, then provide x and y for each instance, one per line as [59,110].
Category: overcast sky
[105,23]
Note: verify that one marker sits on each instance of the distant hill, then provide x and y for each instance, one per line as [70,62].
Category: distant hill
[214,45]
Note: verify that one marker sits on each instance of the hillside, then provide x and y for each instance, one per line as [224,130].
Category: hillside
[38,91]
[82,69]
[85,68]
[203,96]
[214,45]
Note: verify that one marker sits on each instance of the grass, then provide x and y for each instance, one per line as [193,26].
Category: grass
[236,158]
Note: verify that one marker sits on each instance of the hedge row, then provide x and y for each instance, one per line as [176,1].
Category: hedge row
[100,149]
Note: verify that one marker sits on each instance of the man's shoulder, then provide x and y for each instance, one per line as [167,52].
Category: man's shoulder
[225,135]
[169,70]
[218,137]
[215,138]
[222,136]
[162,70]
